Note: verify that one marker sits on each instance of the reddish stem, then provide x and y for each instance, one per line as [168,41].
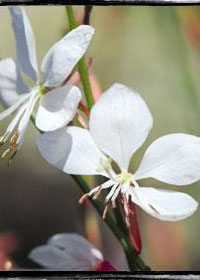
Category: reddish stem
[83,108]
[134,229]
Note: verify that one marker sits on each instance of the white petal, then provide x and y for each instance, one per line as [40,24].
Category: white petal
[120,122]
[72,150]
[173,159]
[48,256]
[54,147]
[67,252]
[64,55]
[76,246]
[57,108]
[25,42]
[163,204]
[11,85]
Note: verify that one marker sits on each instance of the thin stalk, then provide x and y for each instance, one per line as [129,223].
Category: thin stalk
[88,10]
[81,64]
[71,18]
[119,219]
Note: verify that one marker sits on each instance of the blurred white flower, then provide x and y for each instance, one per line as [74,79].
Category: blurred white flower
[58,105]
[67,251]
[119,123]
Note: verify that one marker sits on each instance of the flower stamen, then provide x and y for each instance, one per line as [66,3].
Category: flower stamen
[83,198]
[6,152]
[97,193]
[105,209]
[13,140]
[3,138]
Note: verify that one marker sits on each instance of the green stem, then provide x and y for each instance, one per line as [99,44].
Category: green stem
[82,63]
[119,218]
[71,18]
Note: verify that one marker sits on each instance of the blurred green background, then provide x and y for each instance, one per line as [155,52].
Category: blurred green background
[154,50]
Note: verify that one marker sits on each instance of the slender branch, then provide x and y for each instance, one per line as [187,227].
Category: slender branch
[88,10]
[119,218]
[82,63]
[71,18]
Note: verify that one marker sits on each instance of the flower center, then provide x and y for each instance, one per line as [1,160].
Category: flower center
[40,90]
[124,177]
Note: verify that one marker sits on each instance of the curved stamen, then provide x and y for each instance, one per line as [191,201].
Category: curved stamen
[105,185]
[105,210]
[110,194]
[3,138]
[83,198]
[115,196]
[25,119]
[13,107]
[98,192]
[9,131]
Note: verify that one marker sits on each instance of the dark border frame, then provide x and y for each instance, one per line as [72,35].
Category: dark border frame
[11,275]
[101,2]
[42,274]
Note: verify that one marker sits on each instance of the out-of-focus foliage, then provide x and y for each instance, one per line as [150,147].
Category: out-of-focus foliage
[156,51]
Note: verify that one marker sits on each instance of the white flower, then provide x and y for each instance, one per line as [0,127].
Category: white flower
[58,105]
[119,123]
[67,251]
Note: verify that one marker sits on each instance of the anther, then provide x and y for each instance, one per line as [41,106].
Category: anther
[97,193]
[5,153]
[2,142]
[105,210]
[83,198]
[3,138]
[13,140]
